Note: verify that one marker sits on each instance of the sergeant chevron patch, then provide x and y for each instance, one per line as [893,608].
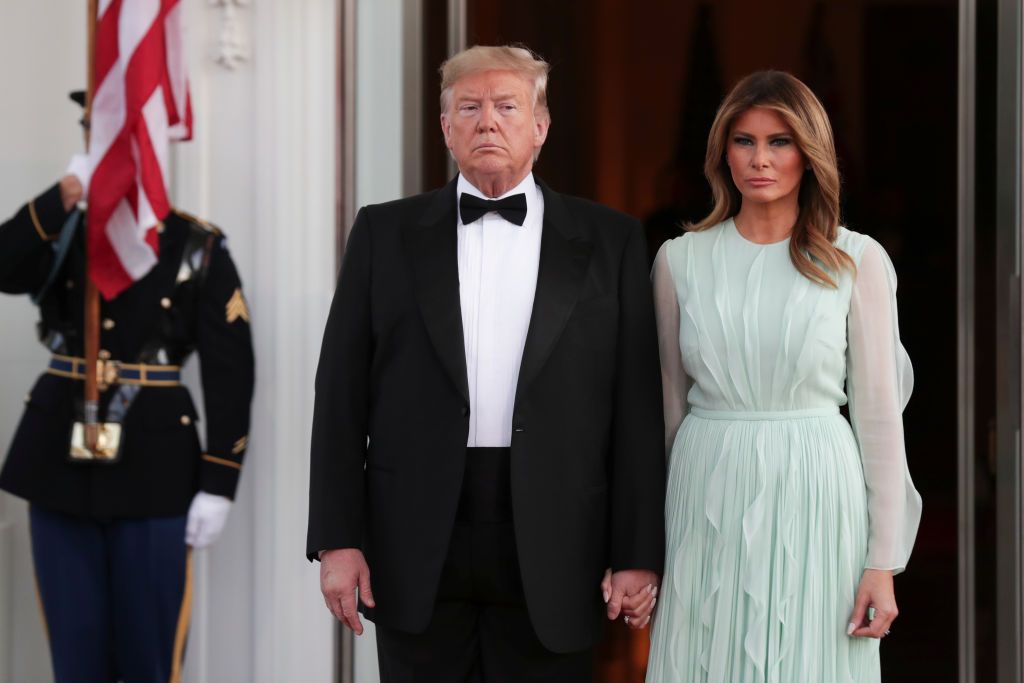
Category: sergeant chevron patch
[236,307]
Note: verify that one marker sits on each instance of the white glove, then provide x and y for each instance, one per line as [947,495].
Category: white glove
[80,167]
[206,517]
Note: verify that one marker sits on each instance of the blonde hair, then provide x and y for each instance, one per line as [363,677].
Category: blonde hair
[514,58]
[811,246]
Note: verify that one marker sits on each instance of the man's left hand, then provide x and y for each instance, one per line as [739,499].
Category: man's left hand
[631,593]
[206,518]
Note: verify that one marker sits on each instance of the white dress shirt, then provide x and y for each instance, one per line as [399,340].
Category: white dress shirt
[498,263]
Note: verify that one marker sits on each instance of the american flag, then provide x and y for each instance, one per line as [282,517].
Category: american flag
[140,104]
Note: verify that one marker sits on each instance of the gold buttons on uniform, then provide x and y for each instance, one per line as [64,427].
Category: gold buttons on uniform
[108,324]
[165,302]
[186,420]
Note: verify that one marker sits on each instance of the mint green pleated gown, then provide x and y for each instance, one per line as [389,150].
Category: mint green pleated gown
[775,505]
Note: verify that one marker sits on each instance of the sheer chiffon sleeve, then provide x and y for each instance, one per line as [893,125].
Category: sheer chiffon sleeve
[879,382]
[674,382]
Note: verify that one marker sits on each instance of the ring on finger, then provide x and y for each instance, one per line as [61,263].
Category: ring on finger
[626,619]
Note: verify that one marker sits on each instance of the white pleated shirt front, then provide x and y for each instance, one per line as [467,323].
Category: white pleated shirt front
[498,263]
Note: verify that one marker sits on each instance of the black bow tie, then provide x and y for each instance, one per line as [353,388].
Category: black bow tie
[511,208]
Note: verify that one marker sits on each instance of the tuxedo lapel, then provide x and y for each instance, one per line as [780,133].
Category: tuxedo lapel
[564,255]
[432,251]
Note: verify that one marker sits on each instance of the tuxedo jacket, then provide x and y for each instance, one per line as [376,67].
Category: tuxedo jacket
[391,414]
[161,319]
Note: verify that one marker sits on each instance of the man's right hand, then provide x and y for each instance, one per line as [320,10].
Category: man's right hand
[341,572]
[71,191]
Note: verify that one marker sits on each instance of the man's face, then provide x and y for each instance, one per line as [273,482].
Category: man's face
[491,128]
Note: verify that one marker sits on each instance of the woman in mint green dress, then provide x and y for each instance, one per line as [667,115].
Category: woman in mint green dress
[784,525]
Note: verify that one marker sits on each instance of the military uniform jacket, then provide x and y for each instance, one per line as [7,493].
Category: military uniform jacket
[181,305]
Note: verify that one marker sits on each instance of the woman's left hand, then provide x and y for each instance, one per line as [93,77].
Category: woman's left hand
[636,608]
[875,591]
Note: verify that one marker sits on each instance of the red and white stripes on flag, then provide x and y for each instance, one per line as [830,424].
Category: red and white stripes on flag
[140,104]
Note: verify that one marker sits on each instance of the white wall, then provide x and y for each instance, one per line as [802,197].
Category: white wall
[262,167]
[39,132]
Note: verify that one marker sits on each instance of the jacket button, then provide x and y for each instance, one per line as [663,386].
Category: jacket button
[186,420]
[165,302]
[108,324]
[70,284]
[465,411]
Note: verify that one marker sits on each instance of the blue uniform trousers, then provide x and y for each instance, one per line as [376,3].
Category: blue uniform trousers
[116,596]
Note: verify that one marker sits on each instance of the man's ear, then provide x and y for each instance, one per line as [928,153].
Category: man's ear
[446,130]
[541,125]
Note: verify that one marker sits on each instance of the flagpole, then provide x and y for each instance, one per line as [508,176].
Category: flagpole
[92,296]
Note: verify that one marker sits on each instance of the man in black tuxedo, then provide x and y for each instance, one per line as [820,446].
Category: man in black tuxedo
[487,432]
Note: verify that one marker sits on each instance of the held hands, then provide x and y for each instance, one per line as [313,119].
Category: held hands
[341,572]
[875,591]
[206,518]
[633,593]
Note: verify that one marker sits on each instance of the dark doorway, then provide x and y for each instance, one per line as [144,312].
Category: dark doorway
[633,89]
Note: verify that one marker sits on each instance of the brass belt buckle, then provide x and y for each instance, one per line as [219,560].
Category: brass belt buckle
[108,443]
[107,372]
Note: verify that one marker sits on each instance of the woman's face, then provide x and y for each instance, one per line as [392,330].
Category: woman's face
[763,158]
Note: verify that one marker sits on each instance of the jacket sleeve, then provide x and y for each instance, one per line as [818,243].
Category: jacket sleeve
[341,406]
[26,242]
[638,428]
[224,344]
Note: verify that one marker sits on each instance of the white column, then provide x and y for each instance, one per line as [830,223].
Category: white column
[262,168]
[379,101]
[294,60]
[380,132]
[213,177]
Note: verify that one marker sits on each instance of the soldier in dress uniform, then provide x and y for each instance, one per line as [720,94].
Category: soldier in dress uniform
[112,529]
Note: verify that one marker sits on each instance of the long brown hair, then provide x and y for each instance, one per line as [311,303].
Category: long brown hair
[811,246]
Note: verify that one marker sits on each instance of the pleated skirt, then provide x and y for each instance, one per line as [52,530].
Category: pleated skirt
[766,523]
